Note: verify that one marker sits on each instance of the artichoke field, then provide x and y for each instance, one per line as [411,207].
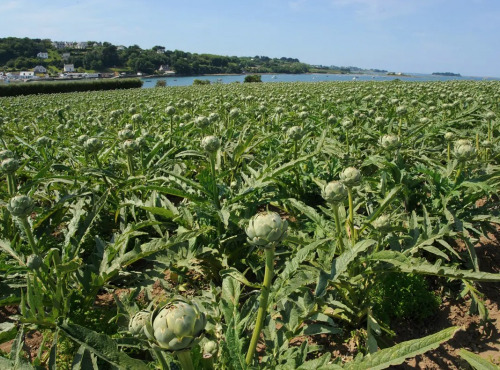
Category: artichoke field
[239,226]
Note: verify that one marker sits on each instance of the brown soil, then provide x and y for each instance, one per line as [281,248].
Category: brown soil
[483,340]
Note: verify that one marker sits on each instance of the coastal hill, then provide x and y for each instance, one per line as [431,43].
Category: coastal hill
[448,74]
[20,54]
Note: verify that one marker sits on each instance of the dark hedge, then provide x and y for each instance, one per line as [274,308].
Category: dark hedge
[14,89]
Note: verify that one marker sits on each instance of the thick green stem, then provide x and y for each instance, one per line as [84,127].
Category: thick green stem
[261,313]
[130,165]
[11,183]
[161,359]
[351,217]
[29,234]
[340,242]
[215,190]
[449,151]
[184,358]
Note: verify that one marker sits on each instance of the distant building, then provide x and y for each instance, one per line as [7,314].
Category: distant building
[39,69]
[66,56]
[81,45]
[42,55]
[120,47]
[160,50]
[59,44]
[68,68]
[26,74]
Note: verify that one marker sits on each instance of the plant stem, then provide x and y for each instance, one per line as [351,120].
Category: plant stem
[11,183]
[340,242]
[184,358]
[215,190]
[449,150]
[161,359]
[264,295]
[29,234]
[130,165]
[351,217]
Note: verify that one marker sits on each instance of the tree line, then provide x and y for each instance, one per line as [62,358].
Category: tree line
[21,53]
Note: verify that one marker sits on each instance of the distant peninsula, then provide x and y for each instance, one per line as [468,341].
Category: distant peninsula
[448,74]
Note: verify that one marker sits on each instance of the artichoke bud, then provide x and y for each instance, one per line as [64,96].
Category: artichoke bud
[137,323]
[34,262]
[464,152]
[20,206]
[382,223]
[390,142]
[350,177]
[331,119]
[126,134]
[137,117]
[82,139]
[201,121]
[130,146]
[449,136]
[170,110]
[334,192]
[210,349]
[487,144]
[347,123]
[462,142]
[266,229]
[176,326]
[213,117]
[295,133]
[235,112]
[401,110]
[4,154]
[92,145]
[210,144]
[9,165]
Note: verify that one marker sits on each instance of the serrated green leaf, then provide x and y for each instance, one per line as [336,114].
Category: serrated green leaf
[476,361]
[400,352]
[102,346]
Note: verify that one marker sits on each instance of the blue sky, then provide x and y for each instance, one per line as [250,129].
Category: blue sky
[425,36]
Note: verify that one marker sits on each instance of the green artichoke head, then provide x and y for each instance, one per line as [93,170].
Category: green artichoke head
[390,142]
[170,110]
[210,349]
[126,134]
[382,223]
[137,323]
[350,177]
[137,118]
[295,133]
[34,262]
[20,206]
[4,154]
[176,326]
[266,229]
[449,136]
[130,146]
[210,144]
[93,145]
[201,121]
[334,192]
[9,165]
[464,152]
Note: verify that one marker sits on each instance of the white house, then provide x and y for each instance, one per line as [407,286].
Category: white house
[42,55]
[26,74]
[160,50]
[68,68]
[120,47]
[40,69]
[81,45]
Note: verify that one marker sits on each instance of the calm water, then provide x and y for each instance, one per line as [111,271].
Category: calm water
[187,81]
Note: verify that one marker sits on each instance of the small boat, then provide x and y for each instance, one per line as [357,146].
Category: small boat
[273,77]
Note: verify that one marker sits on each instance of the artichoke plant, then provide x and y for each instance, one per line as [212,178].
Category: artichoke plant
[390,142]
[350,177]
[210,144]
[137,323]
[295,133]
[21,206]
[266,229]
[334,192]
[176,326]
